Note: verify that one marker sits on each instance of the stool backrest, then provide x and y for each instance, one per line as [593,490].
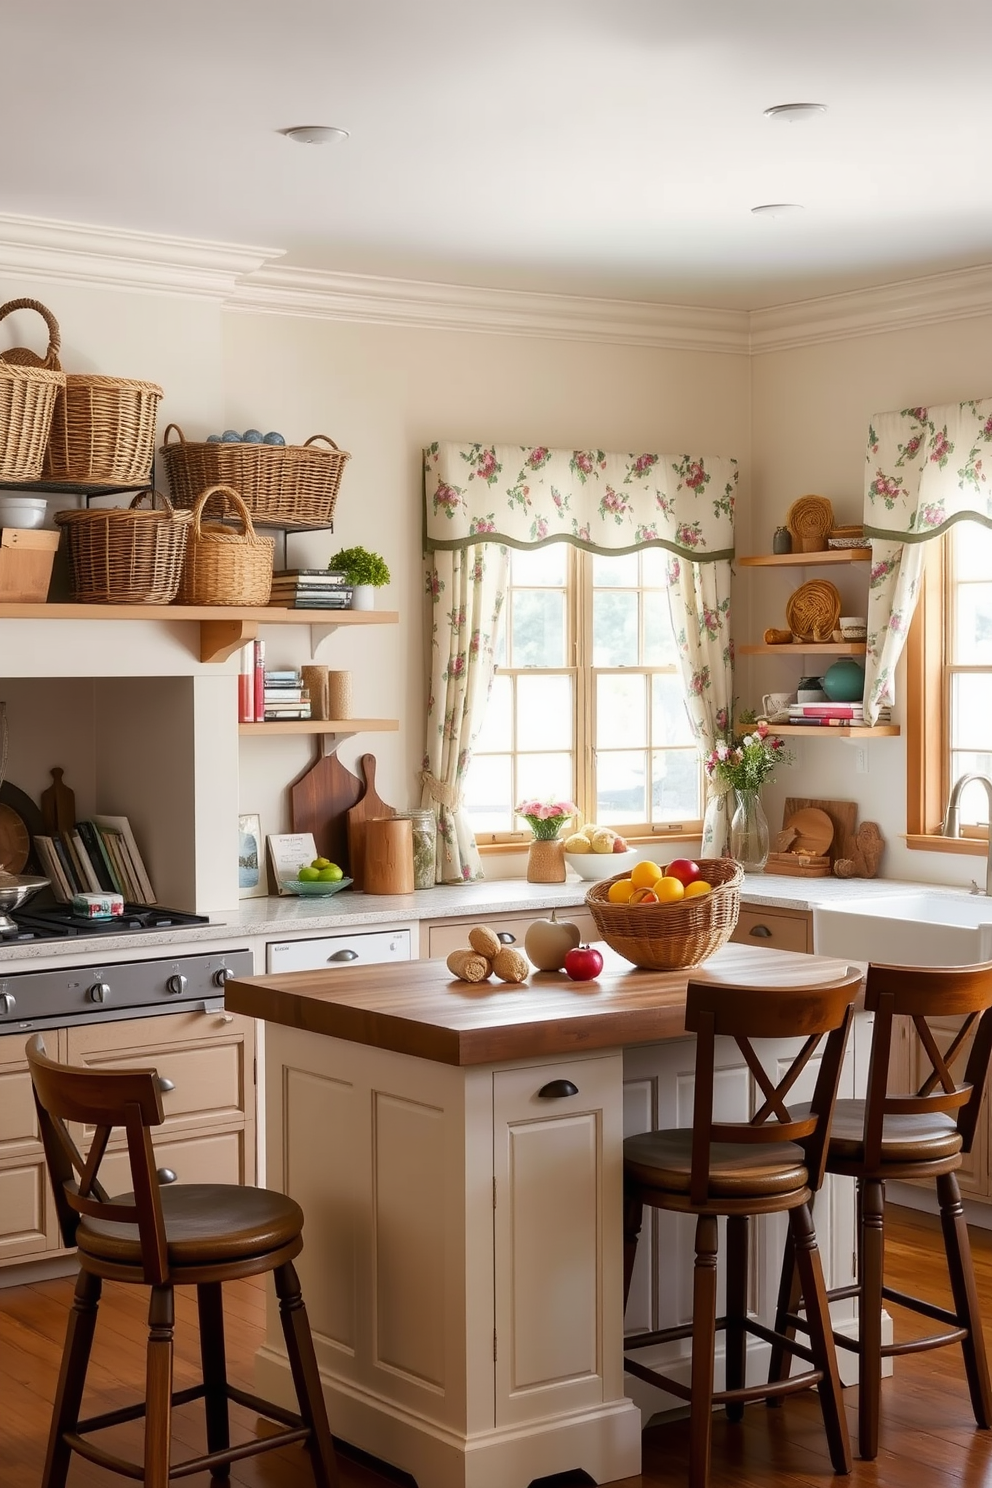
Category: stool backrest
[921,994]
[103,1099]
[819,1013]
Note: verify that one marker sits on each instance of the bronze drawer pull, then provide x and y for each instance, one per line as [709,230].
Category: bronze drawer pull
[165,1175]
[165,1084]
[761,931]
[556,1088]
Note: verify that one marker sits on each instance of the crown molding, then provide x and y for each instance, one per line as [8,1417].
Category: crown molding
[865,312]
[406,302]
[115,258]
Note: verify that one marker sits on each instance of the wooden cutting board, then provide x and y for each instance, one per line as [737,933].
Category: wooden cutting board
[319,801]
[58,805]
[843,814]
[370,805]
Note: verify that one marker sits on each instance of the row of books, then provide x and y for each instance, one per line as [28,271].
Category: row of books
[310,589]
[845,715]
[269,696]
[96,856]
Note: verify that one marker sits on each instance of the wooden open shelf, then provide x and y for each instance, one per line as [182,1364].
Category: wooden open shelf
[836,731]
[222,631]
[806,560]
[322,726]
[806,648]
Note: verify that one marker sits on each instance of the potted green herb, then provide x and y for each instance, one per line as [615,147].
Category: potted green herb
[364,571]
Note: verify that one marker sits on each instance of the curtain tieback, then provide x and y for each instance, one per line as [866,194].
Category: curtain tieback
[445,795]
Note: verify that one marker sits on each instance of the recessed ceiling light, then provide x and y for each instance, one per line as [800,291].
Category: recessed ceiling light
[795,113]
[315,134]
[778,209]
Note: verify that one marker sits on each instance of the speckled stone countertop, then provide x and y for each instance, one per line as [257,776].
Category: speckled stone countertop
[273,918]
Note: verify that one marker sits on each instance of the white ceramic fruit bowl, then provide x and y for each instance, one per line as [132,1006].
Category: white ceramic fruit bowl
[594,865]
[316,887]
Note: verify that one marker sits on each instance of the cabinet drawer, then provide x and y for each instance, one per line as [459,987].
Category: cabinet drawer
[208,1157]
[783,930]
[452,935]
[333,951]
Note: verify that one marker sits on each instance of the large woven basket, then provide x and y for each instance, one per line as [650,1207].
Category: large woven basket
[282,485]
[224,566]
[29,385]
[665,937]
[122,555]
[103,431]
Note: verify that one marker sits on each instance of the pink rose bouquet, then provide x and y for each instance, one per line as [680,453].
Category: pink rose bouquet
[546,818]
[745,763]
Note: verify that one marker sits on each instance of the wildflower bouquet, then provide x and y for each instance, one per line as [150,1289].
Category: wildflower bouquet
[746,761]
[546,817]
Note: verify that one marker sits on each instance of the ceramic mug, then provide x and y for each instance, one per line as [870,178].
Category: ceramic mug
[774,703]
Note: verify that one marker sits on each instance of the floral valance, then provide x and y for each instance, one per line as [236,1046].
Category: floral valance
[927,468]
[523,496]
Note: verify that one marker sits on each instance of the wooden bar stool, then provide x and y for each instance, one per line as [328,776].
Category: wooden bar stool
[163,1237]
[921,1135]
[771,1164]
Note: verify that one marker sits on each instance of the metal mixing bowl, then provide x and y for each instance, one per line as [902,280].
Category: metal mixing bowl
[12,896]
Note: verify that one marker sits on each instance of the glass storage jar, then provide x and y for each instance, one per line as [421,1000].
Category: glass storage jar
[424,824]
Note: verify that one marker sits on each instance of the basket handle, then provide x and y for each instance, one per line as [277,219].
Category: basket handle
[156,496]
[20,355]
[326,437]
[227,493]
[168,431]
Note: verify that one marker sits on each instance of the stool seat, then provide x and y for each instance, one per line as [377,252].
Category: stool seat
[205,1224]
[663,1160]
[928,1136]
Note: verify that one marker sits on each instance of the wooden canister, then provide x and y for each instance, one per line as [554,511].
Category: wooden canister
[339,694]
[315,679]
[389,855]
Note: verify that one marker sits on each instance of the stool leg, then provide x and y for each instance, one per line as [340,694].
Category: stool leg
[158,1386]
[306,1376]
[703,1348]
[633,1211]
[871,1236]
[72,1377]
[738,1232]
[821,1336]
[789,1298]
[210,1307]
[962,1273]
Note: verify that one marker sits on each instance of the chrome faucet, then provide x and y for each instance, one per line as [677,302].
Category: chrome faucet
[952,820]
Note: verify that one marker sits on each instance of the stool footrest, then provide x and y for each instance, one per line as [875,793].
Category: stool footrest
[918,1304]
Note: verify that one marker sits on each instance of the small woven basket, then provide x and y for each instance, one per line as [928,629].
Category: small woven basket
[809,520]
[813,610]
[103,431]
[223,566]
[121,555]
[29,385]
[665,937]
[282,485]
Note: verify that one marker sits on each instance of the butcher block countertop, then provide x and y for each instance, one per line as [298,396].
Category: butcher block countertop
[417,1008]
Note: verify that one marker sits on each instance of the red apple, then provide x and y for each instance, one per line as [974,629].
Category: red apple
[620,844]
[583,964]
[684,869]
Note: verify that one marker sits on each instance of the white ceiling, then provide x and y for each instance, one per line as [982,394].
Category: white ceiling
[596,147]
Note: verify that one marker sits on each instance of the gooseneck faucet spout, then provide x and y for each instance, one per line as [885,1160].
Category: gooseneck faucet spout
[952,819]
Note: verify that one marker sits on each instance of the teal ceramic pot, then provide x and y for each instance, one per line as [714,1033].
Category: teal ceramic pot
[844,682]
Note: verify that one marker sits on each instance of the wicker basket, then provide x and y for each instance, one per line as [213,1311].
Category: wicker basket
[665,937]
[103,431]
[29,385]
[225,567]
[120,555]
[282,485]
[813,610]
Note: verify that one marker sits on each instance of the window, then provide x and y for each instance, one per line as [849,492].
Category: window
[587,699]
[949,681]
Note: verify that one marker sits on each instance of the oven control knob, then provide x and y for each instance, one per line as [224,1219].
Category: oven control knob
[176,984]
[99,992]
[8,1003]
[222,977]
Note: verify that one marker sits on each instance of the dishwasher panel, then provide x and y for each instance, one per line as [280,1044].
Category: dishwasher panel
[334,951]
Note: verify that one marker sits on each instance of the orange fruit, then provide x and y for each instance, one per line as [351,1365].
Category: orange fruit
[620,892]
[644,896]
[668,890]
[643,875]
[696,889]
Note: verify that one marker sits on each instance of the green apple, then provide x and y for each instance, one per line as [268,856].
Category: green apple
[308,875]
[321,863]
[330,874]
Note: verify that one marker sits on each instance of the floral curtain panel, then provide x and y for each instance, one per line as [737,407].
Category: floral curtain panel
[926,469]
[481,499]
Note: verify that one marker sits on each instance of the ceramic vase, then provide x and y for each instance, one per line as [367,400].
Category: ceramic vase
[546,860]
[749,832]
[363,597]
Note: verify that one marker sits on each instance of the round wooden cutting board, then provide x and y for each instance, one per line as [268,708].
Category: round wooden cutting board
[15,840]
[815,829]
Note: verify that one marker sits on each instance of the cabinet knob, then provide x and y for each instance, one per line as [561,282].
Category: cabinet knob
[555,1089]
[760,932]
[166,1175]
[165,1084]
[506,936]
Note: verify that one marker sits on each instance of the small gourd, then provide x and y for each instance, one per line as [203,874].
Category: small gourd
[548,942]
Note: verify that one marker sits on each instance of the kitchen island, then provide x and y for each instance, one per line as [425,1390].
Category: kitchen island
[457,1150]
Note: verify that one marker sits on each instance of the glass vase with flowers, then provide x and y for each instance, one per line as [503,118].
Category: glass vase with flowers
[546,856]
[742,763]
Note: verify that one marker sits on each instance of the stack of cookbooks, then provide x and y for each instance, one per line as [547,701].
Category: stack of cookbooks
[285,697]
[838,715]
[310,589]
[96,856]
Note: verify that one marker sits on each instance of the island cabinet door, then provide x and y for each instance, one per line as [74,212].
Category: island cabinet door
[558,1237]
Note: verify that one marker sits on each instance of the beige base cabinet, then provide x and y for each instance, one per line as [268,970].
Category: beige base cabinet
[441,937]
[462,1262]
[28,1226]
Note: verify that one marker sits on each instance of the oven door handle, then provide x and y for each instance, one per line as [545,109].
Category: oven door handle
[217,1009]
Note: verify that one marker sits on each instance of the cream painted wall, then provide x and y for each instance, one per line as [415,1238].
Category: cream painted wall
[810,413]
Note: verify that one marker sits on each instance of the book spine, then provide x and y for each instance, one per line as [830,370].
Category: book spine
[93,843]
[246,685]
[53,869]
[89,873]
[259,694]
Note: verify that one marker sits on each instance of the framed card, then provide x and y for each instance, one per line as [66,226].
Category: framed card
[288,853]
[251,858]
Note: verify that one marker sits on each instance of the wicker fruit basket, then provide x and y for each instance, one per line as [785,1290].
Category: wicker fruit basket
[103,431]
[29,385]
[290,485]
[121,555]
[665,937]
[224,566]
